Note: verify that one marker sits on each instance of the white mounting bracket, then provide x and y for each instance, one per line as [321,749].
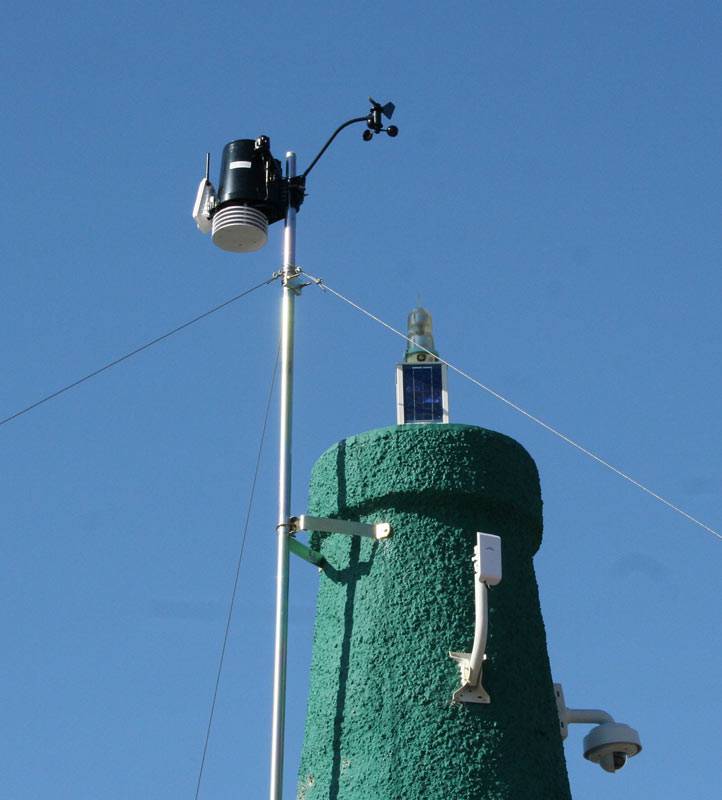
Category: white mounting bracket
[377,530]
[469,692]
[487,572]
[590,716]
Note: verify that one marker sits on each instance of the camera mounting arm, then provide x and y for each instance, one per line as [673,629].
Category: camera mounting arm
[589,716]
[374,125]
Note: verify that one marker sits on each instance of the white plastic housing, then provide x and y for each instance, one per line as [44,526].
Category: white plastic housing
[489,554]
[602,742]
[200,207]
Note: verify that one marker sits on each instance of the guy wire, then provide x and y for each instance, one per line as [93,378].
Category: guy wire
[134,352]
[232,602]
[324,286]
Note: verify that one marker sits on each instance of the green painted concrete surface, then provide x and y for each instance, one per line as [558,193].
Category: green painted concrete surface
[380,723]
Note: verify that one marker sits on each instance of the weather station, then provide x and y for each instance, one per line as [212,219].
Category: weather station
[254,191]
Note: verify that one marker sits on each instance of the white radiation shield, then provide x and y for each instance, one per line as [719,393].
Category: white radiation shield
[239,229]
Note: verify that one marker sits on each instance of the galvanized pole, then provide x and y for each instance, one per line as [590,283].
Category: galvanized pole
[284,492]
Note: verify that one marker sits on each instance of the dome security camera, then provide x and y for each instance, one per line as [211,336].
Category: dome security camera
[610,744]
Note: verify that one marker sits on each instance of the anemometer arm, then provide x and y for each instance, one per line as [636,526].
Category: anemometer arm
[328,143]
[374,124]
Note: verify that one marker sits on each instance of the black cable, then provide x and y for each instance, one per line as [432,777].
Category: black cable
[331,138]
[238,572]
[133,352]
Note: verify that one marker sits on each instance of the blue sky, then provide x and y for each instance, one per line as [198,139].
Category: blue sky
[553,198]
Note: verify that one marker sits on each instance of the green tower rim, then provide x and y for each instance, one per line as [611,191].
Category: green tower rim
[397,462]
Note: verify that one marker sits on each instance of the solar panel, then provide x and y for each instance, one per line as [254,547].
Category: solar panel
[423,395]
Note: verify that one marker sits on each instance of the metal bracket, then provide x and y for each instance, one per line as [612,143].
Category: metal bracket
[305,552]
[487,572]
[469,692]
[588,716]
[377,530]
[292,279]
[562,711]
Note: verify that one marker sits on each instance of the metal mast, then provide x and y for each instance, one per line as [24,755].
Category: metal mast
[288,276]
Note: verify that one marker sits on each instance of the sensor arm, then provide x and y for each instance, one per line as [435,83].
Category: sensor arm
[374,123]
[328,143]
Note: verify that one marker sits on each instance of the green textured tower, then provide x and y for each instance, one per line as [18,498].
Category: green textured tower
[381,724]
